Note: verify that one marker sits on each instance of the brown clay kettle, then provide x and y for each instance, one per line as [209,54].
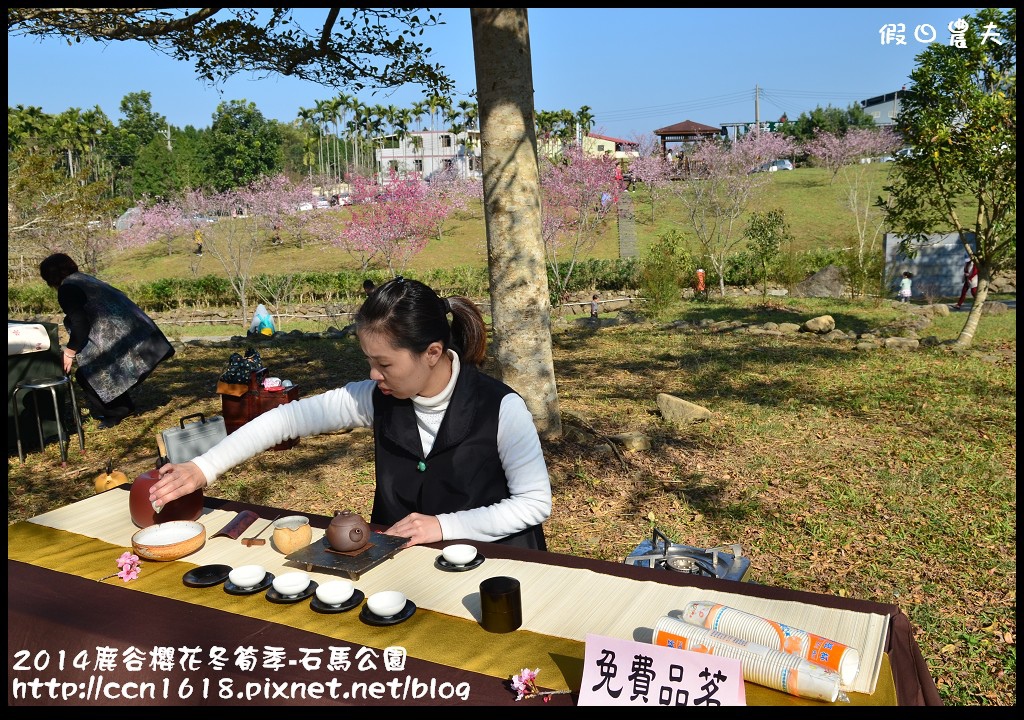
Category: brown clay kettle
[347,531]
[189,507]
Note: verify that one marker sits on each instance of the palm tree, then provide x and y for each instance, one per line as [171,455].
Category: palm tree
[584,121]
[71,136]
[434,104]
[544,120]
[26,126]
[469,112]
[345,103]
[307,119]
[323,110]
[367,121]
[376,127]
[416,142]
[419,109]
[351,132]
[308,156]
[403,119]
[354,128]
[333,106]
[96,125]
[457,129]
[315,119]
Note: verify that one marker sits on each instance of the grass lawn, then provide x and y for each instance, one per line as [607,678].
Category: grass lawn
[881,475]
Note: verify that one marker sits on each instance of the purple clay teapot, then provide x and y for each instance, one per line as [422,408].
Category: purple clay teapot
[347,532]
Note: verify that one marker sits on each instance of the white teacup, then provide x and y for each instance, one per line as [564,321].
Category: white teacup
[386,603]
[247,576]
[459,554]
[335,592]
[291,583]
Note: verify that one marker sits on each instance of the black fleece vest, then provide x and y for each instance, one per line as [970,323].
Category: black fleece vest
[462,471]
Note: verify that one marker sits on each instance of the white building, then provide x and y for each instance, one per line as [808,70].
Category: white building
[427,152]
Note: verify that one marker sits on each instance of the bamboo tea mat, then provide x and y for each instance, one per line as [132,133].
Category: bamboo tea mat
[557,601]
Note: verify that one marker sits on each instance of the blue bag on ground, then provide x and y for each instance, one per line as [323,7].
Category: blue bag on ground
[262,321]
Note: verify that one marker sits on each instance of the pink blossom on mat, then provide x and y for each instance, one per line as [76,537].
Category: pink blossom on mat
[129,568]
[525,685]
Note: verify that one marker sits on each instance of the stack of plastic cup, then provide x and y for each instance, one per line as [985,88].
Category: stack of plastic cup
[761,665]
[829,654]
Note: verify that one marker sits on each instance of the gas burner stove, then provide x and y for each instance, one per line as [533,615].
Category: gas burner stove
[659,553]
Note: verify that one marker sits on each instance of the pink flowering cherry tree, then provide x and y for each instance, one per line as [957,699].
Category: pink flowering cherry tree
[721,189]
[836,151]
[578,192]
[452,194]
[153,222]
[652,169]
[250,217]
[859,185]
[246,216]
[390,223]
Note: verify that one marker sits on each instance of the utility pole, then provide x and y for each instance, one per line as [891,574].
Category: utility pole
[167,133]
[757,111]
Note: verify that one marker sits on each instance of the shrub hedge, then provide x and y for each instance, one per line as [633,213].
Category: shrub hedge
[616,275]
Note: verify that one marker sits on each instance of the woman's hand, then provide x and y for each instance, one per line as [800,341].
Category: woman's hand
[67,360]
[176,480]
[418,528]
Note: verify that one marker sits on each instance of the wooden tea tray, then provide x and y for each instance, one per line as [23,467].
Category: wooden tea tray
[319,554]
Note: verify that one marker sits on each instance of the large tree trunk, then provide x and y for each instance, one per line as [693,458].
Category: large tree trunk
[520,306]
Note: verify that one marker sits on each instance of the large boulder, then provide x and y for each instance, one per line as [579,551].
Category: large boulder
[822,324]
[827,282]
[679,411]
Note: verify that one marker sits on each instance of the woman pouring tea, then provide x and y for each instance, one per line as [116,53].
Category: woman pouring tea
[457,453]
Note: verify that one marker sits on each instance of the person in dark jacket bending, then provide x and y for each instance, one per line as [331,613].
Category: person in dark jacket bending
[115,344]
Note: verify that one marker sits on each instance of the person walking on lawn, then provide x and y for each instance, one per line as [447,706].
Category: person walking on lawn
[970,281]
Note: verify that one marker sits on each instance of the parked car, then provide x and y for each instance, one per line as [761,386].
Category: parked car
[774,166]
[320,202]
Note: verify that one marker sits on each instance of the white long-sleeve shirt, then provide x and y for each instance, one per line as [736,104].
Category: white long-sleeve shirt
[352,406]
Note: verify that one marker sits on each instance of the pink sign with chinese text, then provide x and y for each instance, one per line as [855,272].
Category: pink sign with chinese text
[626,672]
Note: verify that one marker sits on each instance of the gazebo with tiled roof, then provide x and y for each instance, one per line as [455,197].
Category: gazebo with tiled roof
[687,131]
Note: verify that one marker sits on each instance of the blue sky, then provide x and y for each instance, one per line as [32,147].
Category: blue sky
[638,69]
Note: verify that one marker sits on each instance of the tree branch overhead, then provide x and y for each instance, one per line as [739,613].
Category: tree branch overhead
[367,48]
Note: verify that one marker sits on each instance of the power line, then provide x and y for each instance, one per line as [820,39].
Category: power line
[784,100]
[647,111]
